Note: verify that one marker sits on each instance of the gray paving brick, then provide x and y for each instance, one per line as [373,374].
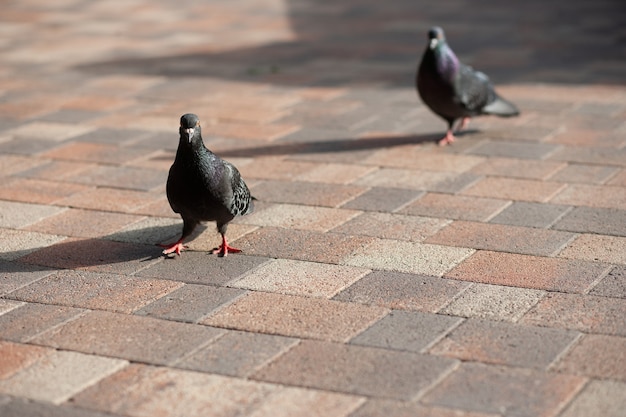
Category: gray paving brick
[406,330]
[388,374]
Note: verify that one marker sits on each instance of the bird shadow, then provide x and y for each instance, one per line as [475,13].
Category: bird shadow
[123,252]
[334,145]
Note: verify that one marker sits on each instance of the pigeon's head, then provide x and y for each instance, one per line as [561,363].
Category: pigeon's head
[189,127]
[435,37]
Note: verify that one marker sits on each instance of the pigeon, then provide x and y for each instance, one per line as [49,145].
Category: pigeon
[203,187]
[453,90]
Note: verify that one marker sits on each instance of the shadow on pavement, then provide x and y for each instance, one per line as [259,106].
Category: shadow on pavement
[367,41]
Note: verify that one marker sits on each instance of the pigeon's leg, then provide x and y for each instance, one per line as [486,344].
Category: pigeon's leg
[178,246]
[447,139]
[464,122]
[224,248]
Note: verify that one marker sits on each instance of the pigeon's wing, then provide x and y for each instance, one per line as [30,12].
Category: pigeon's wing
[240,202]
[473,90]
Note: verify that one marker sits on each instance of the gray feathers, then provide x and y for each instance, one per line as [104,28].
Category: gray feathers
[453,90]
[201,186]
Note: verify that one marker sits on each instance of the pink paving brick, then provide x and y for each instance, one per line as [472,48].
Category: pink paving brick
[39,191]
[515,189]
[110,199]
[502,343]
[587,313]
[610,249]
[30,319]
[527,271]
[135,338]
[514,391]
[16,357]
[295,316]
[596,356]
[83,223]
[392,226]
[95,291]
[592,195]
[460,207]
[291,216]
[505,238]
[390,374]
[518,168]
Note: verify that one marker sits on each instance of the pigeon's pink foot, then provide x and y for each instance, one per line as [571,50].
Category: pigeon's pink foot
[224,248]
[447,139]
[176,247]
[464,122]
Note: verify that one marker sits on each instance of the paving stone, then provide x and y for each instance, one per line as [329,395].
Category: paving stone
[613,285]
[202,268]
[391,226]
[378,407]
[83,223]
[29,320]
[172,392]
[17,357]
[502,343]
[60,376]
[493,302]
[412,331]
[586,155]
[518,168]
[610,249]
[335,173]
[514,239]
[275,168]
[587,174]
[291,216]
[604,398]
[18,243]
[306,193]
[18,407]
[109,199]
[294,316]
[15,275]
[402,291]
[300,278]
[594,220]
[189,303]
[455,207]
[587,313]
[515,149]
[604,196]
[52,131]
[140,339]
[515,189]
[406,178]
[388,374]
[148,231]
[525,271]
[382,199]
[17,215]
[531,214]
[417,258]
[596,356]
[295,401]
[37,191]
[415,157]
[237,353]
[301,244]
[94,255]
[94,152]
[619,179]
[8,305]
[132,178]
[59,170]
[94,291]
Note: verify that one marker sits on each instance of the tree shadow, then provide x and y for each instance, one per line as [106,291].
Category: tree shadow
[367,41]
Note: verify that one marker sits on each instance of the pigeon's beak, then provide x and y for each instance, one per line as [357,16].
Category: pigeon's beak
[433,43]
[189,134]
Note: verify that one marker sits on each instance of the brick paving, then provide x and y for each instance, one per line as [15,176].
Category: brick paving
[381,275]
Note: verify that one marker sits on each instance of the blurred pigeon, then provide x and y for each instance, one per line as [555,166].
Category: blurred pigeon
[203,187]
[453,90]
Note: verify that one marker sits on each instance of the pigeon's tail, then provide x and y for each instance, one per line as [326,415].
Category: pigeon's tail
[501,107]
